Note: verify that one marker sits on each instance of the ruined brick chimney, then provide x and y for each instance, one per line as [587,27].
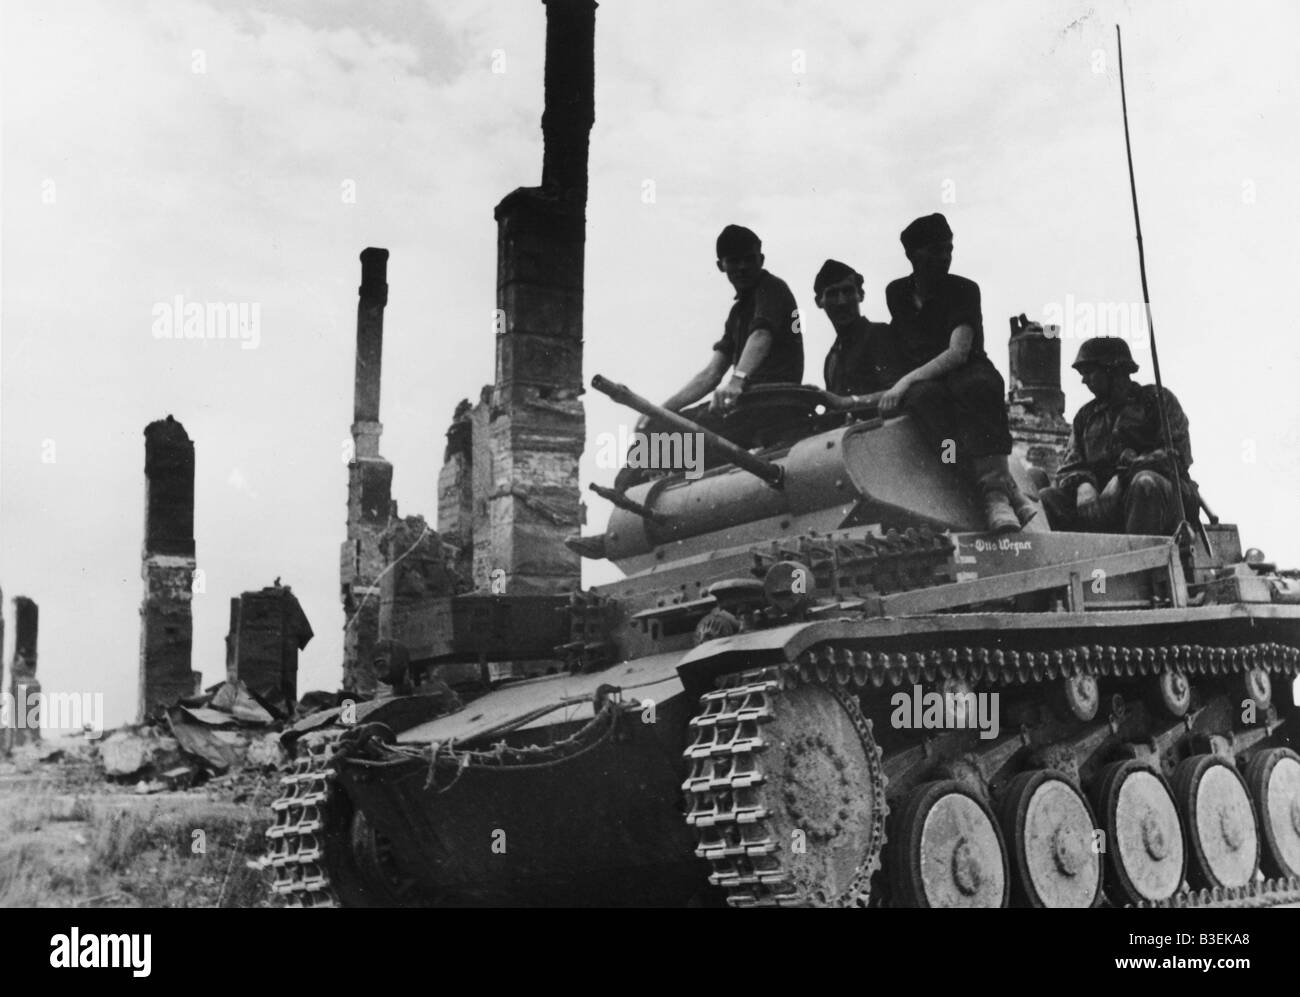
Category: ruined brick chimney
[24,688]
[520,457]
[267,630]
[4,732]
[1036,410]
[167,628]
[370,483]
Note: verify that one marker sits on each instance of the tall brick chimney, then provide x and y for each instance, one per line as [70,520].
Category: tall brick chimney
[370,483]
[570,96]
[24,687]
[536,426]
[4,733]
[167,626]
[1036,409]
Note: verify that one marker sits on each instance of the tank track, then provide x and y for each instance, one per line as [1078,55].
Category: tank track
[295,842]
[747,862]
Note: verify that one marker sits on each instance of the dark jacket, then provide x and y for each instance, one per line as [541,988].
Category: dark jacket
[1106,440]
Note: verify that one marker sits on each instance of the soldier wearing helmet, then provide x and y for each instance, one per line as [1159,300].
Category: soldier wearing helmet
[1117,476]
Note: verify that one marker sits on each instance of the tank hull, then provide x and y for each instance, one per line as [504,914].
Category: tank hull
[602,826]
[578,811]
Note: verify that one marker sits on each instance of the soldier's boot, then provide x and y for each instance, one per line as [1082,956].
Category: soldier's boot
[1025,510]
[995,487]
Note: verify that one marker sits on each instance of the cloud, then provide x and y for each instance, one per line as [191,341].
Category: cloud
[232,185]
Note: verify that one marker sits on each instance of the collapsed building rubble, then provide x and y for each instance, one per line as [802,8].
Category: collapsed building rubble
[222,731]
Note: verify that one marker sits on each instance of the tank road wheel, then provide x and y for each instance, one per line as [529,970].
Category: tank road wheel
[1144,840]
[1077,697]
[948,851]
[787,795]
[1274,780]
[1170,694]
[1222,836]
[1048,827]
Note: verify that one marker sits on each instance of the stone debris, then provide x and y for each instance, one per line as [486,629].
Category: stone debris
[135,750]
[264,752]
[181,777]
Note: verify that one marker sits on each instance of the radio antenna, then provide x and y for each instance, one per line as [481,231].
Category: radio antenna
[1146,297]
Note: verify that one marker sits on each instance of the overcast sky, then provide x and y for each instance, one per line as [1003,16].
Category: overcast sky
[246,152]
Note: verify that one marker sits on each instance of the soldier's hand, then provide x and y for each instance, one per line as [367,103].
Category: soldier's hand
[724,399]
[1086,503]
[1110,496]
[892,400]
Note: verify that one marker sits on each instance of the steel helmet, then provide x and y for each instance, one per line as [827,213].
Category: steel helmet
[1105,351]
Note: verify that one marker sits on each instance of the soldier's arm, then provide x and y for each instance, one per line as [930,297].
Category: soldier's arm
[1179,429]
[1158,459]
[957,353]
[1075,469]
[757,347]
[959,345]
[702,383]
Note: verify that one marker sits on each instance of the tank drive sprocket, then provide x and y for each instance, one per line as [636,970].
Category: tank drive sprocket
[774,793]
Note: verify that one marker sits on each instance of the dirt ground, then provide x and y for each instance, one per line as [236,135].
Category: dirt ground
[69,838]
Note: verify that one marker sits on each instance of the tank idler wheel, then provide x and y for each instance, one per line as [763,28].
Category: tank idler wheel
[1048,827]
[1274,780]
[948,851]
[1145,858]
[1170,694]
[1222,835]
[1077,696]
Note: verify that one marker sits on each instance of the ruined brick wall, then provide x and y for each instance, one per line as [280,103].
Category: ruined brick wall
[421,568]
[483,560]
[1036,403]
[267,630]
[166,631]
[456,490]
[526,437]
[24,687]
[370,483]
[4,732]
[537,428]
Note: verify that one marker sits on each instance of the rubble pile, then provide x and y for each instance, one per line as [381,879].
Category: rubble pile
[215,736]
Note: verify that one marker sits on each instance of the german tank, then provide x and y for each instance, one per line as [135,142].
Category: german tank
[821,682]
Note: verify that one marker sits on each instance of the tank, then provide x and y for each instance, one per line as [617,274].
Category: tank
[821,683]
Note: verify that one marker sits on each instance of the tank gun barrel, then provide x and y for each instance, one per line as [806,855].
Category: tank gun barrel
[767,471]
[623,502]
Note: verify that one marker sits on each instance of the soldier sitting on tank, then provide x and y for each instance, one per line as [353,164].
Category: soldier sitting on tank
[1117,475]
[863,359]
[761,341]
[951,388]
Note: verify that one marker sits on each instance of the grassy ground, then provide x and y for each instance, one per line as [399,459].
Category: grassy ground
[67,839]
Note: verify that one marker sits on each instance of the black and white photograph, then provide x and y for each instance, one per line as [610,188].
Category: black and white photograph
[729,454]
